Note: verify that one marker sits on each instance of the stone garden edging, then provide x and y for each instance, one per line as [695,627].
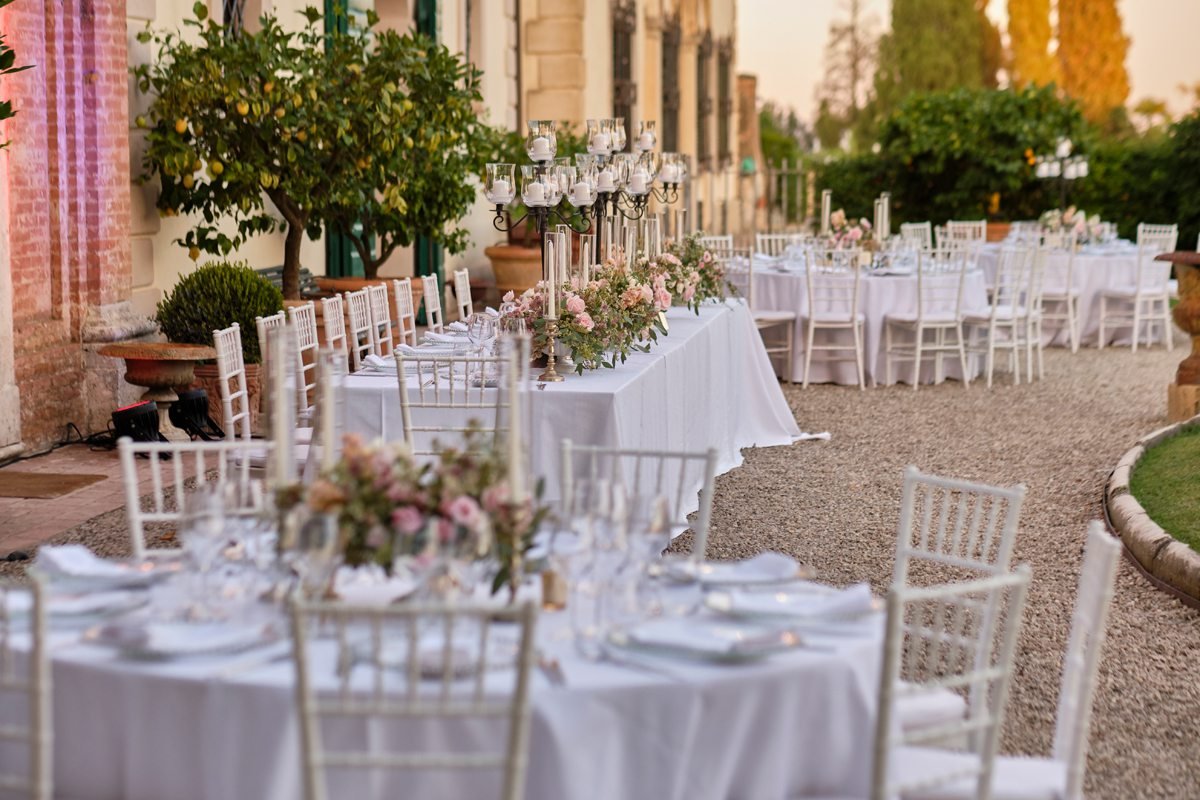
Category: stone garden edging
[1169,563]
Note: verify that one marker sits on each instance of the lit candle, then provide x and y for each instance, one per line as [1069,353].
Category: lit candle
[646,141]
[600,143]
[585,257]
[540,150]
[826,210]
[605,181]
[582,194]
[551,291]
[535,193]
[637,183]
[669,174]
[502,191]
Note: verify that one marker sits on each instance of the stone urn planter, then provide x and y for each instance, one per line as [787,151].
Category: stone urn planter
[998,231]
[208,379]
[161,367]
[516,268]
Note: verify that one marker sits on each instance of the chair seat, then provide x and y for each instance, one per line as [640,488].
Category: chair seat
[1013,777]
[1003,313]
[1131,292]
[933,318]
[929,709]
[1058,293]
[834,317]
[773,317]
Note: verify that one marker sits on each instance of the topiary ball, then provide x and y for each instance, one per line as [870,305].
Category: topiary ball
[215,296]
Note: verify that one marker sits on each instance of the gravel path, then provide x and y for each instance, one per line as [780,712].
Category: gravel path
[835,505]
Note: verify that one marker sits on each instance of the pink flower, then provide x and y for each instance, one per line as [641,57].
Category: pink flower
[865,223]
[495,497]
[694,277]
[689,293]
[376,537]
[407,520]
[575,304]
[464,511]
[584,321]
[509,296]
[647,294]
[855,234]
[662,299]
[324,496]
[631,297]
[707,257]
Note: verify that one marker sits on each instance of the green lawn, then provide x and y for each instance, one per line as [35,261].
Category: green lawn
[1167,484]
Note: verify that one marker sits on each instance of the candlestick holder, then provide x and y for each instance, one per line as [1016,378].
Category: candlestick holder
[551,375]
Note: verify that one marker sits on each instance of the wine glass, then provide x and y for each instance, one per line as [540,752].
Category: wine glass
[481,331]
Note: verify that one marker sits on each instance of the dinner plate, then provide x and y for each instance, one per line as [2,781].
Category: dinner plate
[719,641]
[177,640]
[89,605]
[76,567]
[846,605]
[764,568]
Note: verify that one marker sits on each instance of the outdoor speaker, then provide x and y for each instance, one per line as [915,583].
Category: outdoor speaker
[190,413]
[138,421]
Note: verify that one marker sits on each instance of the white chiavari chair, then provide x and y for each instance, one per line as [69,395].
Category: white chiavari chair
[324,447]
[262,326]
[432,293]
[462,293]
[1147,302]
[178,468]
[386,679]
[361,332]
[333,313]
[918,233]
[406,315]
[1060,295]
[25,674]
[303,321]
[933,639]
[675,476]
[453,395]
[834,278]
[1060,776]
[720,246]
[1030,334]
[772,244]
[1002,323]
[972,231]
[739,274]
[231,375]
[940,277]
[381,319]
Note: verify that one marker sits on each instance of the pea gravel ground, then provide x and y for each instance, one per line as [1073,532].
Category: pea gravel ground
[835,505]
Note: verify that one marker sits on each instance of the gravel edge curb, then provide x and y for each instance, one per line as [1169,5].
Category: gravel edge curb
[1170,564]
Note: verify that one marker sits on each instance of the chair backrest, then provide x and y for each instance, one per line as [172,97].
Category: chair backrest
[433,303]
[974,230]
[932,640]
[381,319]
[406,315]
[329,414]
[739,273]
[920,233]
[1012,285]
[833,278]
[25,685]
[262,325]
[675,476]
[362,332]
[231,374]
[462,293]
[304,327]
[720,246]
[333,313]
[386,670]
[940,277]
[1048,268]
[454,394]
[1081,661]
[771,244]
[172,464]
[957,524]
[1152,276]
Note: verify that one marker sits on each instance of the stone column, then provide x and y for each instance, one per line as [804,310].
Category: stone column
[10,397]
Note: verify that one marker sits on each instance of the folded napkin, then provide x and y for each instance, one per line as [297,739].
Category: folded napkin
[491,312]
[75,560]
[442,338]
[853,601]
[457,327]
[707,636]
[18,603]
[369,585]
[379,362]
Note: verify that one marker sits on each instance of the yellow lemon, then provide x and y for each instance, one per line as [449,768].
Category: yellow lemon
[268,86]
[216,167]
[181,126]
[279,112]
[243,108]
[141,122]
[194,253]
[301,136]
[196,165]
[188,181]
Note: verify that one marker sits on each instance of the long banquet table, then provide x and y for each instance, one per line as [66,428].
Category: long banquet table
[226,728]
[709,383]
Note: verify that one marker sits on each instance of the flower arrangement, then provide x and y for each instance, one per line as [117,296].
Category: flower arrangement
[600,323]
[1073,220]
[693,273]
[387,506]
[844,233]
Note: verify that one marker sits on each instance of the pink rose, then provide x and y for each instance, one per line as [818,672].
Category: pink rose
[694,277]
[689,293]
[496,496]
[464,511]
[855,234]
[631,297]
[407,520]
[707,257]
[584,321]
[509,296]
[662,299]
[575,304]
[647,294]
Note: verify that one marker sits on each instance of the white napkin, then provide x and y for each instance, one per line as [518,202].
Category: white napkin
[379,362]
[457,327]
[442,338]
[75,560]
[181,638]
[491,312]
[718,637]
[369,585]
[18,603]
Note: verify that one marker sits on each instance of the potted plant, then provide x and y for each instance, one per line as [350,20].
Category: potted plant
[215,296]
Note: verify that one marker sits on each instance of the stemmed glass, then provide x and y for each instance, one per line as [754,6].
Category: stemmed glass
[482,331]
[598,518]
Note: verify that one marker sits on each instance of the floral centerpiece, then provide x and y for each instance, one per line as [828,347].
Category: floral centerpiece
[1086,229]
[600,322]
[693,274]
[845,233]
[388,506]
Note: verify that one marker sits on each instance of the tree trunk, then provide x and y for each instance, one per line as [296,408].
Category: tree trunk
[291,261]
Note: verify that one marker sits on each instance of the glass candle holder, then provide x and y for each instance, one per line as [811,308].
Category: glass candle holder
[668,173]
[619,137]
[541,143]
[647,136]
[536,189]
[500,185]
[599,137]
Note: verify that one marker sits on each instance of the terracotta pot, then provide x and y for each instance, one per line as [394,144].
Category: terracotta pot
[998,231]
[208,379]
[516,268]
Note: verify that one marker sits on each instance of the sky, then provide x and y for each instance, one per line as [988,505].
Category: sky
[783,43]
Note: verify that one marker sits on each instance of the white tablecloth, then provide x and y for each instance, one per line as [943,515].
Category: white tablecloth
[1095,270]
[879,295]
[797,724]
[708,383]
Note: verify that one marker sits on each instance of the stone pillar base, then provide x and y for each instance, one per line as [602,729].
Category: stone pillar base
[104,387]
[1183,402]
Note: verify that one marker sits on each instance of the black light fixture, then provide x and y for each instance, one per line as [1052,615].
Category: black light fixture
[138,421]
[190,413]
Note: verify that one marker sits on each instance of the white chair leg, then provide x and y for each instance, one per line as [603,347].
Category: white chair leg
[791,354]
[1073,322]
[887,353]
[1103,316]
[858,356]
[991,355]
[917,357]
[808,348]
[962,358]
[1137,322]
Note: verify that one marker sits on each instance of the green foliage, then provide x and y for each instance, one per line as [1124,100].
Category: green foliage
[1167,484]
[856,182]
[8,61]
[215,296]
[953,151]
[784,141]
